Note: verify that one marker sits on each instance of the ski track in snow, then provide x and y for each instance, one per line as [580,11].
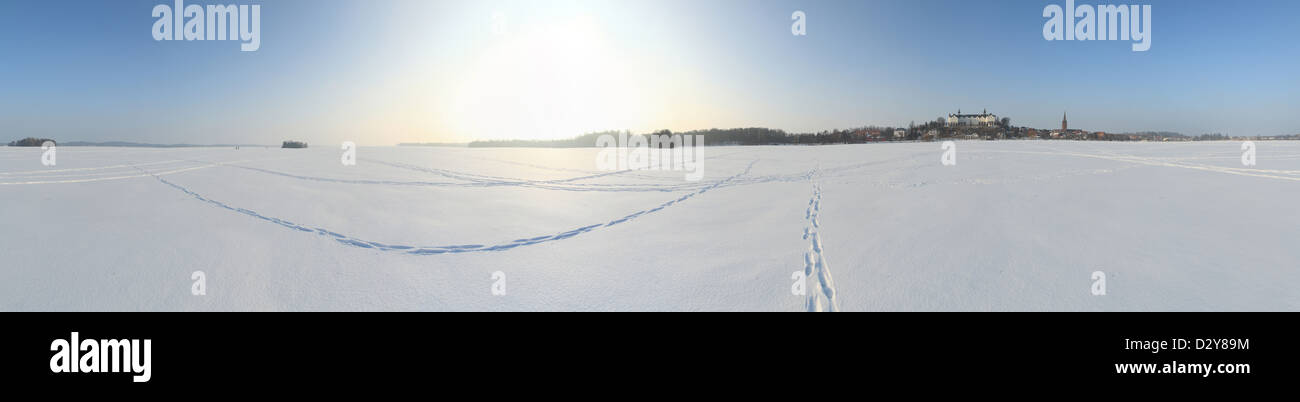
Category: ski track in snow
[433,250]
[821,296]
[49,171]
[476,180]
[119,176]
[1151,161]
[471,180]
[106,173]
[490,180]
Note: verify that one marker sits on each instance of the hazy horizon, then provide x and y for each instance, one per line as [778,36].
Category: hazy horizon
[382,73]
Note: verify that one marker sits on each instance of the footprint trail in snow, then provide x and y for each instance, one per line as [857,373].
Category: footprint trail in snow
[821,289]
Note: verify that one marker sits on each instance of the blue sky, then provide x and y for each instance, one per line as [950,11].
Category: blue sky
[380,72]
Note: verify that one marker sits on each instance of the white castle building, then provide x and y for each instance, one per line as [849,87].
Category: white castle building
[985,119]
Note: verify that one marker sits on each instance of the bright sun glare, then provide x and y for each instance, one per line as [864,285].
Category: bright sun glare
[552,80]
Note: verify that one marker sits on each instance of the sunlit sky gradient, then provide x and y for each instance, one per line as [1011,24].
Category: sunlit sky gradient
[382,72]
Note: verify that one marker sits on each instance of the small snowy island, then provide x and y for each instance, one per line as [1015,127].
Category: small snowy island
[31,142]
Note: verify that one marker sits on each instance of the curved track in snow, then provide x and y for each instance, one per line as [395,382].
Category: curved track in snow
[446,249]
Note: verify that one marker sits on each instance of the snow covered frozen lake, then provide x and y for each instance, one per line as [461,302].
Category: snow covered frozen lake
[1015,225]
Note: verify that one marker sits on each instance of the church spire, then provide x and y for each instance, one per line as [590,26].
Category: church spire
[1065,123]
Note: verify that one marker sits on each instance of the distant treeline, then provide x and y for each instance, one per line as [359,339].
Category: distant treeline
[124,144]
[1155,134]
[734,136]
[587,140]
[432,144]
[294,144]
[36,142]
[30,142]
[925,131]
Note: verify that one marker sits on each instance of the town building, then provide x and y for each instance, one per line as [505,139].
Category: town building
[985,119]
